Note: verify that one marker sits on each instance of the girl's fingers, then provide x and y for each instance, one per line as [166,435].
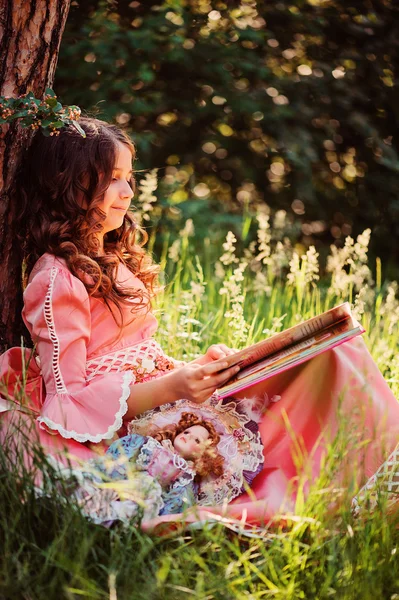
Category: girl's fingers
[227,351]
[212,368]
[225,376]
[211,383]
[215,352]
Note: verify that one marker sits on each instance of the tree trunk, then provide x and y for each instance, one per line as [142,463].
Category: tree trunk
[30,36]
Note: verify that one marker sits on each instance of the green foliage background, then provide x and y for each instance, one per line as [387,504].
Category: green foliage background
[294,103]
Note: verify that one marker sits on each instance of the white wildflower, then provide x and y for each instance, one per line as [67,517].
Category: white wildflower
[249,257]
[304,270]
[277,325]
[311,265]
[197,289]
[295,269]
[195,336]
[394,371]
[362,245]
[183,308]
[348,265]
[232,288]
[359,305]
[384,355]
[264,238]
[187,325]
[191,321]
[229,257]
[232,285]
[281,257]
[390,308]
[219,271]
[174,251]
[260,284]
[279,219]
[146,197]
[391,303]
[188,229]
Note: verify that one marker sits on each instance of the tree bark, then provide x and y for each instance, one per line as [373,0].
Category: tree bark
[30,36]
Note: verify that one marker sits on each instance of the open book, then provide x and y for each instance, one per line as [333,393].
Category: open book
[291,348]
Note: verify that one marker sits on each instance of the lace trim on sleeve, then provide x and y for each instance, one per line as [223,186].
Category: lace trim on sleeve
[128,378]
[49,318]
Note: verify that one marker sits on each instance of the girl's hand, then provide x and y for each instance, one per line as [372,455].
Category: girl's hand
[193,382]
[197,383]
[214,352]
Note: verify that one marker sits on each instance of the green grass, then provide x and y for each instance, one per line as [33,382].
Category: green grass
[48,550]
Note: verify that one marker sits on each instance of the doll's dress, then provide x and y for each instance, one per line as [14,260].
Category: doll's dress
[138,478]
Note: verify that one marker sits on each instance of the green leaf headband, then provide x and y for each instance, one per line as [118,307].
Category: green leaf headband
[48,114]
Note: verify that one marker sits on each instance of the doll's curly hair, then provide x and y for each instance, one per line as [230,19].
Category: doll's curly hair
[62,182]
[210,462]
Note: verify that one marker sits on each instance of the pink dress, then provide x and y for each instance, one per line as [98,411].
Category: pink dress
[77,387]
[79,381]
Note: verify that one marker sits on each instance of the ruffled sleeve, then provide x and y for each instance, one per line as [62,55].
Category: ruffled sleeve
[57,314]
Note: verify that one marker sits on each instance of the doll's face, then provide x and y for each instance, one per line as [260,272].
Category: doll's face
[191,442]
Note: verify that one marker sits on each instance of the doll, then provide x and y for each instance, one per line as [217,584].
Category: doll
[158,473]
[174,457]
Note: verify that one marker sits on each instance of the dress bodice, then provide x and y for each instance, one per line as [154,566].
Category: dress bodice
[84,363]
[105,333]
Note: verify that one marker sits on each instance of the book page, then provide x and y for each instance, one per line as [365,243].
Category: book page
[287,338]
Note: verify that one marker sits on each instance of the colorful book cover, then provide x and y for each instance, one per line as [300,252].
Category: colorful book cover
[291,348]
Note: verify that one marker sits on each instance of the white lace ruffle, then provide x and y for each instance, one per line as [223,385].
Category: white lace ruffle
[127,380]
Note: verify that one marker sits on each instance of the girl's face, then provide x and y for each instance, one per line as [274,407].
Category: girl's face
[190,442]
[119,193]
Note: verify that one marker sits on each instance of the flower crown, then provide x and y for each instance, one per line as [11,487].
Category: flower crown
[48,114]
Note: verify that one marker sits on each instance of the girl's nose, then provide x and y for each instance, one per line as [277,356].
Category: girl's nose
[127,191]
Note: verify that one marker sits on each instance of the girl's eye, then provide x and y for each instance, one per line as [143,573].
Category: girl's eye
[129,179]
[197,441]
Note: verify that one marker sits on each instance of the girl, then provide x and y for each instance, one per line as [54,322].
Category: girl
[87,298]
[87,308]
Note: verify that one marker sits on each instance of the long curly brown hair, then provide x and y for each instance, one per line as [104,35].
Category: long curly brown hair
[63,180]
[209,462]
